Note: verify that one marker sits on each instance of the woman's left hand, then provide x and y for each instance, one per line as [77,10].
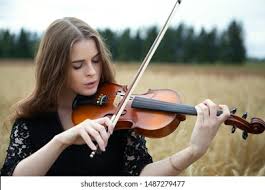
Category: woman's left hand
[206,126]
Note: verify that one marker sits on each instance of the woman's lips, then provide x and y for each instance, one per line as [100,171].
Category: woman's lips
[90,84]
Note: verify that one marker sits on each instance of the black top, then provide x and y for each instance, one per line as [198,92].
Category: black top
[126,152]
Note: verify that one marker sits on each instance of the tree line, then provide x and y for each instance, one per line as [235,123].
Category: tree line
[180,44]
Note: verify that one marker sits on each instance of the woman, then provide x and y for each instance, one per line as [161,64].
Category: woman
[72,59]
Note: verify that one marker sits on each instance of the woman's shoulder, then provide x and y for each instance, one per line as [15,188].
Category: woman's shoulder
[32,122]
[21,123]
[20,128]
[40,128]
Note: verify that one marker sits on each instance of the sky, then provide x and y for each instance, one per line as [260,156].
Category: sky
[36,15]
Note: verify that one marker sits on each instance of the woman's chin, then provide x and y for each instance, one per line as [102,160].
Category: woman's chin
[88,92]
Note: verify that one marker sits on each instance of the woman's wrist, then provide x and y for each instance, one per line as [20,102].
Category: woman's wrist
[196,152]
[183,159]
[59,142]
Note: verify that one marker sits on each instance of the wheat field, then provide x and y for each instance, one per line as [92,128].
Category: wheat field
[237,86]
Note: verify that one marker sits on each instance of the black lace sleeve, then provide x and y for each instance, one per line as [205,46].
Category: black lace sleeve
[136,156]
[19,147]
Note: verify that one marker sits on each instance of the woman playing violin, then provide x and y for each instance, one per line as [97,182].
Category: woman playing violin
[73,60]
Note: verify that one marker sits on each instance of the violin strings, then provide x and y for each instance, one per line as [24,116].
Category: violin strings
[158,105]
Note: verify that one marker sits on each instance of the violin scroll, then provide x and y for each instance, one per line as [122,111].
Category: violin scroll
[256,125]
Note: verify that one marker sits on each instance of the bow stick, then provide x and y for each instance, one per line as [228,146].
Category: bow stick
[149,55]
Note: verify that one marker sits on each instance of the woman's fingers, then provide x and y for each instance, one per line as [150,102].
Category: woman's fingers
[209,110]
[199,114]
[87,139]
[205,111]
[212,108]
[225,114]
[88,131]
[102,131]
[98,130]
[107,122]
[95,135]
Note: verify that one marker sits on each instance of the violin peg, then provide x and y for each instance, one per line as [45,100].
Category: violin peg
[245,135]
[233,129]
[245,115]
[233,110]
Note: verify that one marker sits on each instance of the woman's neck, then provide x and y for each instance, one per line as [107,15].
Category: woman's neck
[64,108]
[65,100]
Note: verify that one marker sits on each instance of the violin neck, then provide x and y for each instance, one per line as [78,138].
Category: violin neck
[152,104]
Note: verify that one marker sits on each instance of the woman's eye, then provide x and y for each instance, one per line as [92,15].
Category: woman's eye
[77,66]
[95,61]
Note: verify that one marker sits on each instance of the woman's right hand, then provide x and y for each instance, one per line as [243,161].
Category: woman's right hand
[87,132]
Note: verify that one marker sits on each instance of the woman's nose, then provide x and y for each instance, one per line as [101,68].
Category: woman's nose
[90,70]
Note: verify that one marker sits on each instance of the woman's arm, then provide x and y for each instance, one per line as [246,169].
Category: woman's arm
[172,165]
[39,163]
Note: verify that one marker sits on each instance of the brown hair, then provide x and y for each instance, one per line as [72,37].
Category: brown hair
[52,61]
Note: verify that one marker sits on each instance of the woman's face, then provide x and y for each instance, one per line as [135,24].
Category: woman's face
[85,67]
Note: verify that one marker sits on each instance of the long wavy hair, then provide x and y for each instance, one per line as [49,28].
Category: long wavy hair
[52,63]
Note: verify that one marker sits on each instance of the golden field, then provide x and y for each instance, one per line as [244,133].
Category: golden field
[237,86]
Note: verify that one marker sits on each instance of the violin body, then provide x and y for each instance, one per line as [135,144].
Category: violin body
[148,122]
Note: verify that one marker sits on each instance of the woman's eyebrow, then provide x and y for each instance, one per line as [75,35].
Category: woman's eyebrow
[80,60]
[77,61]
[96,55]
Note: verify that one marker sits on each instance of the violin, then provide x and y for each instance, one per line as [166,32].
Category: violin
[154,114]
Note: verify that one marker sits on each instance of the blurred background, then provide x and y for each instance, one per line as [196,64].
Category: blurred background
[201,31]
[212,49]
